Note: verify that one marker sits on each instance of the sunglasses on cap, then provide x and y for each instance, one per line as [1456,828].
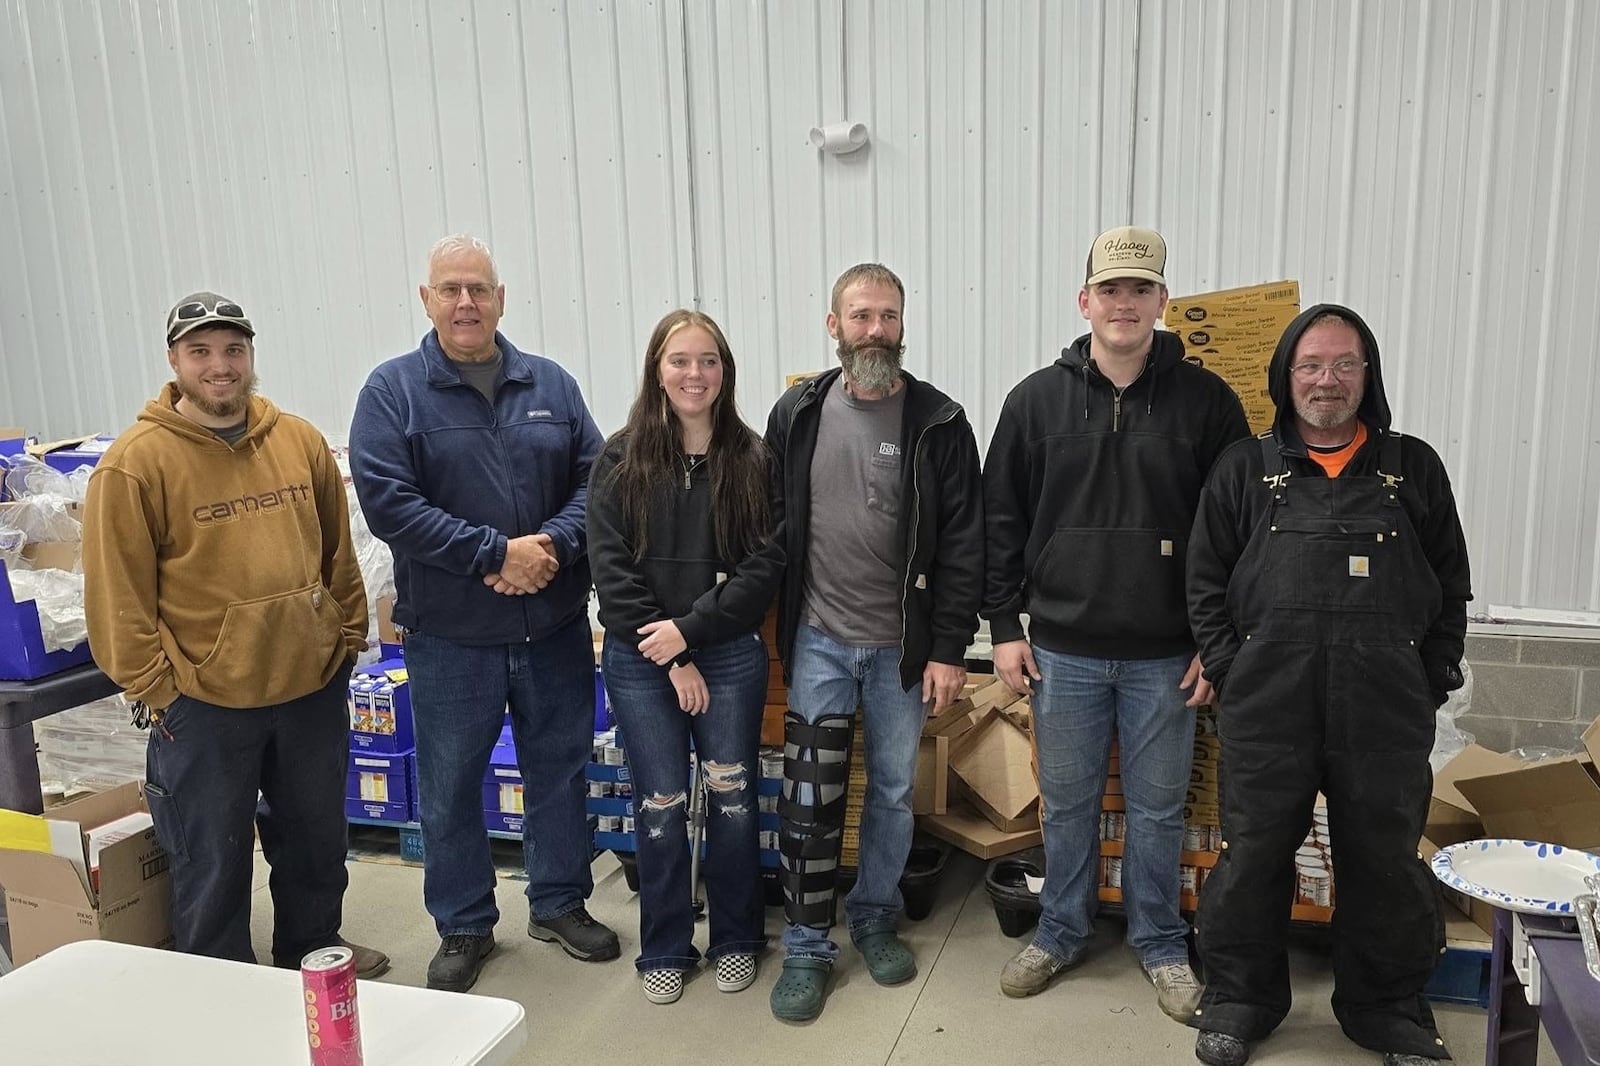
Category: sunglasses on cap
[209,308]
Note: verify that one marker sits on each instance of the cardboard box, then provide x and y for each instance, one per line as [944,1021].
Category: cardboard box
[379,787]
[1556,801]
[1233,333]
[994,761]
[390,641]
[50,902]
[973,833]
[930,794]
[68,454]
[1451,816]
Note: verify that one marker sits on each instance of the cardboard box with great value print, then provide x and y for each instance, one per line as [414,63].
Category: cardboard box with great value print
[1556,801]
[49,897]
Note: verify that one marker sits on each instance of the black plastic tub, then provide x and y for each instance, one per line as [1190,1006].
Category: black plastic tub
[919,885]
[1016,909]
[630,868]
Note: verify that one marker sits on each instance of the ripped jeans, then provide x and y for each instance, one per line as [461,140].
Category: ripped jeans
[656,735]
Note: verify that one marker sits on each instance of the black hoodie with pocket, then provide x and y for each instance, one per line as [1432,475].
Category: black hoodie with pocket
[1089,493]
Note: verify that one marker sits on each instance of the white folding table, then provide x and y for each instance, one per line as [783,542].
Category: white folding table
[94,1002]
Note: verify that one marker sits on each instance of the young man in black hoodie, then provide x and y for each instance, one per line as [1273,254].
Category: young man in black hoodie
[1089,489]
[1328,589]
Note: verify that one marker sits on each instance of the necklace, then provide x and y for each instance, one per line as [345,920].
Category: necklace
[690,462]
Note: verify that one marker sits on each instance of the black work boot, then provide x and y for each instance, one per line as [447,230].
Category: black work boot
[459,960]
[1220,1049]
[578,934]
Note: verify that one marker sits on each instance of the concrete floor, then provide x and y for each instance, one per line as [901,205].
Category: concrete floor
[952,1012]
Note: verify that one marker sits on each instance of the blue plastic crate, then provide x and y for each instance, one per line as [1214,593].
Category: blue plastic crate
[1462,976]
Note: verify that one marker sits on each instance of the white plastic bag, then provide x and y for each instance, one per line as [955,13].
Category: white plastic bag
[59,597]
[1448,738]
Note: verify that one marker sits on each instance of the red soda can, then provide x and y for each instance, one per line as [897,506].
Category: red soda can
[333,1028]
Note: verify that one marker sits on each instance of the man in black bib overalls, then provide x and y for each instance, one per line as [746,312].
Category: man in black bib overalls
[1328,585]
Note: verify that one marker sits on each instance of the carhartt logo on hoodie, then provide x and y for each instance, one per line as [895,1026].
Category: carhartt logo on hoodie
[268,502]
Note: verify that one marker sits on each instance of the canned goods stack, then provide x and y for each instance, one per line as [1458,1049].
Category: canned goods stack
[1313,865]
[1202,832]
[610,799]
[768,788]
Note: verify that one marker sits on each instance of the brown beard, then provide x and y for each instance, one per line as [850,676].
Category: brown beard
[204,404]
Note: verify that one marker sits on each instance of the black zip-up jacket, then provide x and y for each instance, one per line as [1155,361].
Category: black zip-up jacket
[682,577]
[1089,495]
[1235,502]
[941,521]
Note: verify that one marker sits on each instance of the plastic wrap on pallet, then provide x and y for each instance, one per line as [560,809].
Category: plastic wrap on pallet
[59,597]
[28,476]
[95,746]
[372,556]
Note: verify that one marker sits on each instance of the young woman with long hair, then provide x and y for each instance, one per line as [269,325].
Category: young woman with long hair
[685,566]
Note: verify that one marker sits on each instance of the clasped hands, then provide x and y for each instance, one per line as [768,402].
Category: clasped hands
[529,566]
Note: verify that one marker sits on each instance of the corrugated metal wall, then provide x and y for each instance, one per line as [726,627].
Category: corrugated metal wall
[1424,161]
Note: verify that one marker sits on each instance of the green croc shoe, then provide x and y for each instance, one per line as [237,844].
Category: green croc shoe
[801,990]
[888,960]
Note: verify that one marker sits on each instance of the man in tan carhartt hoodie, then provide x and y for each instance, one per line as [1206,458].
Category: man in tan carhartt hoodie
[223,595]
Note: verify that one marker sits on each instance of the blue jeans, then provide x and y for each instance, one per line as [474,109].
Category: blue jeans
[830,678]
[1075,709]
[204,766]
[459,693]
[727,739]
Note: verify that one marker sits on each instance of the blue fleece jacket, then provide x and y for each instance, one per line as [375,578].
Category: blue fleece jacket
[445,478]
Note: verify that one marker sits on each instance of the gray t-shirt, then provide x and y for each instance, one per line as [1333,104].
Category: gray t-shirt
[852,550]
[232,435]
[483,376]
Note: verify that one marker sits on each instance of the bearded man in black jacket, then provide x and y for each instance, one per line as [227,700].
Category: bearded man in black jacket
[1328,589]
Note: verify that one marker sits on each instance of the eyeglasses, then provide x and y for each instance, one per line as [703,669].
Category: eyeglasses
[1344,369]
[450,291]
[198,309]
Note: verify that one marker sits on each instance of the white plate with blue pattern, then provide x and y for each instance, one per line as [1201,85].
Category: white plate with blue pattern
[1518,875]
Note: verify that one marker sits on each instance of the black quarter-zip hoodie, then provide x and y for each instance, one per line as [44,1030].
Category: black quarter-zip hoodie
[1089,493]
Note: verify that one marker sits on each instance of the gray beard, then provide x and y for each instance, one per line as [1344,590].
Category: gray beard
[1326,419]
[873,370]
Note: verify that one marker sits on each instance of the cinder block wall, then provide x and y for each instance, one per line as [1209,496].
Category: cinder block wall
[1532,691]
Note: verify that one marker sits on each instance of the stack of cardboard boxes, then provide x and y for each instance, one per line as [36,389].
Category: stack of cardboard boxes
[1484,794]
[65,880]
[976,787]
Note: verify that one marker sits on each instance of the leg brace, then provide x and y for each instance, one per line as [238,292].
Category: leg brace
[816,769]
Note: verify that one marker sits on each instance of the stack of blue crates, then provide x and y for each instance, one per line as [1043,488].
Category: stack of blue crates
[383,763]
[614,799]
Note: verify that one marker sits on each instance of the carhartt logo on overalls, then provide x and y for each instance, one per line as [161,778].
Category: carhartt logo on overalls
[1359,567]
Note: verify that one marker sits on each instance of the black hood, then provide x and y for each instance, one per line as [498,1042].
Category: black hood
[1166,352]
[1374,409]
